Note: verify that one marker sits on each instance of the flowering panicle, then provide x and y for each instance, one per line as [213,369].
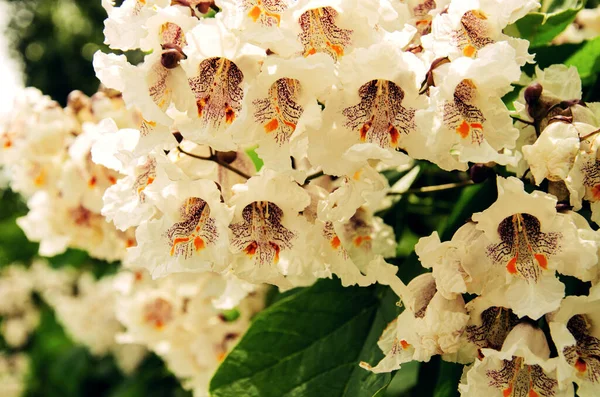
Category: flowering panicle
[247,148]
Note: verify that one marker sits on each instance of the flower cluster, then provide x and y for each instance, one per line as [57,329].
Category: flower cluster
[327,94]
[46,151]
[247,148]
[191,322]
[512,257]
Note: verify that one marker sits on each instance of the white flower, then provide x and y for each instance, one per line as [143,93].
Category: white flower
[553,153]
[471,25]
[219,68]
[366,188]
[125,25]
[583,180]
[467,120]
[577,338]
[84,182]
[176,317]
[459,266]
[89,317]
[58,226]
[190,236]
[14,371]
[490,322]
[333,27]
[430,324]
[531,241]
[521,368]
[372,114]
[268,234]
[279,106]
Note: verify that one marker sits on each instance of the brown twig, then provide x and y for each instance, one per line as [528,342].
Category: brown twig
[435,188]
[213,157]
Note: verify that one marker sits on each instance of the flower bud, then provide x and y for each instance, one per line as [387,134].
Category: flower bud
[480,172]
[171,57]
[533,93]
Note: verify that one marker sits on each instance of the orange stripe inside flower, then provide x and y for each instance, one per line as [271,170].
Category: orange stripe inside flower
[256,12]
[335,242]
[358,241]
[469,50]
[541,259]
[596,192]
[464,128]
[580,365]
[271,126]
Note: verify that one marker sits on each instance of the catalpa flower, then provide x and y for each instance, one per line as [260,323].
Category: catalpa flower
[219,69]
[372,114]
[279,106]
[467,120]
[149,87]
[553,153]
[127,203]
[490,322]
[268,233]
[190,236]
[471,25]
[83,179]
[58,226]
[365,188]
[125,26]
[430,324]
[459,266]
[53,128]
[265,24]
[530,241]
[583,180]
[521,368]
[328,27]
[574,329]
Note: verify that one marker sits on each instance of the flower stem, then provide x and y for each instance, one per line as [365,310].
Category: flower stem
[213,157]
[435,188]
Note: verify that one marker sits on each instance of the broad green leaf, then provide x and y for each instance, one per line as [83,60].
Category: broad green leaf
[587,60]
[541,27]
[473,199]
[584,56]
[405,379]
[310,344]
[448,379]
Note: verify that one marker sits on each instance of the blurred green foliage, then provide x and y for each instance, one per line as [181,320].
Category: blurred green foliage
[57,40]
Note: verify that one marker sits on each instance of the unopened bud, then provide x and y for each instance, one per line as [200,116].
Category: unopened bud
[480,172]
[533,93]
[171,57]
[204,6]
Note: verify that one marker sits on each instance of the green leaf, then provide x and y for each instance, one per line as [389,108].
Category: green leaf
[587,60]
[541,27]
[449,376]
[310,344]
[473,199]
[258,162]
